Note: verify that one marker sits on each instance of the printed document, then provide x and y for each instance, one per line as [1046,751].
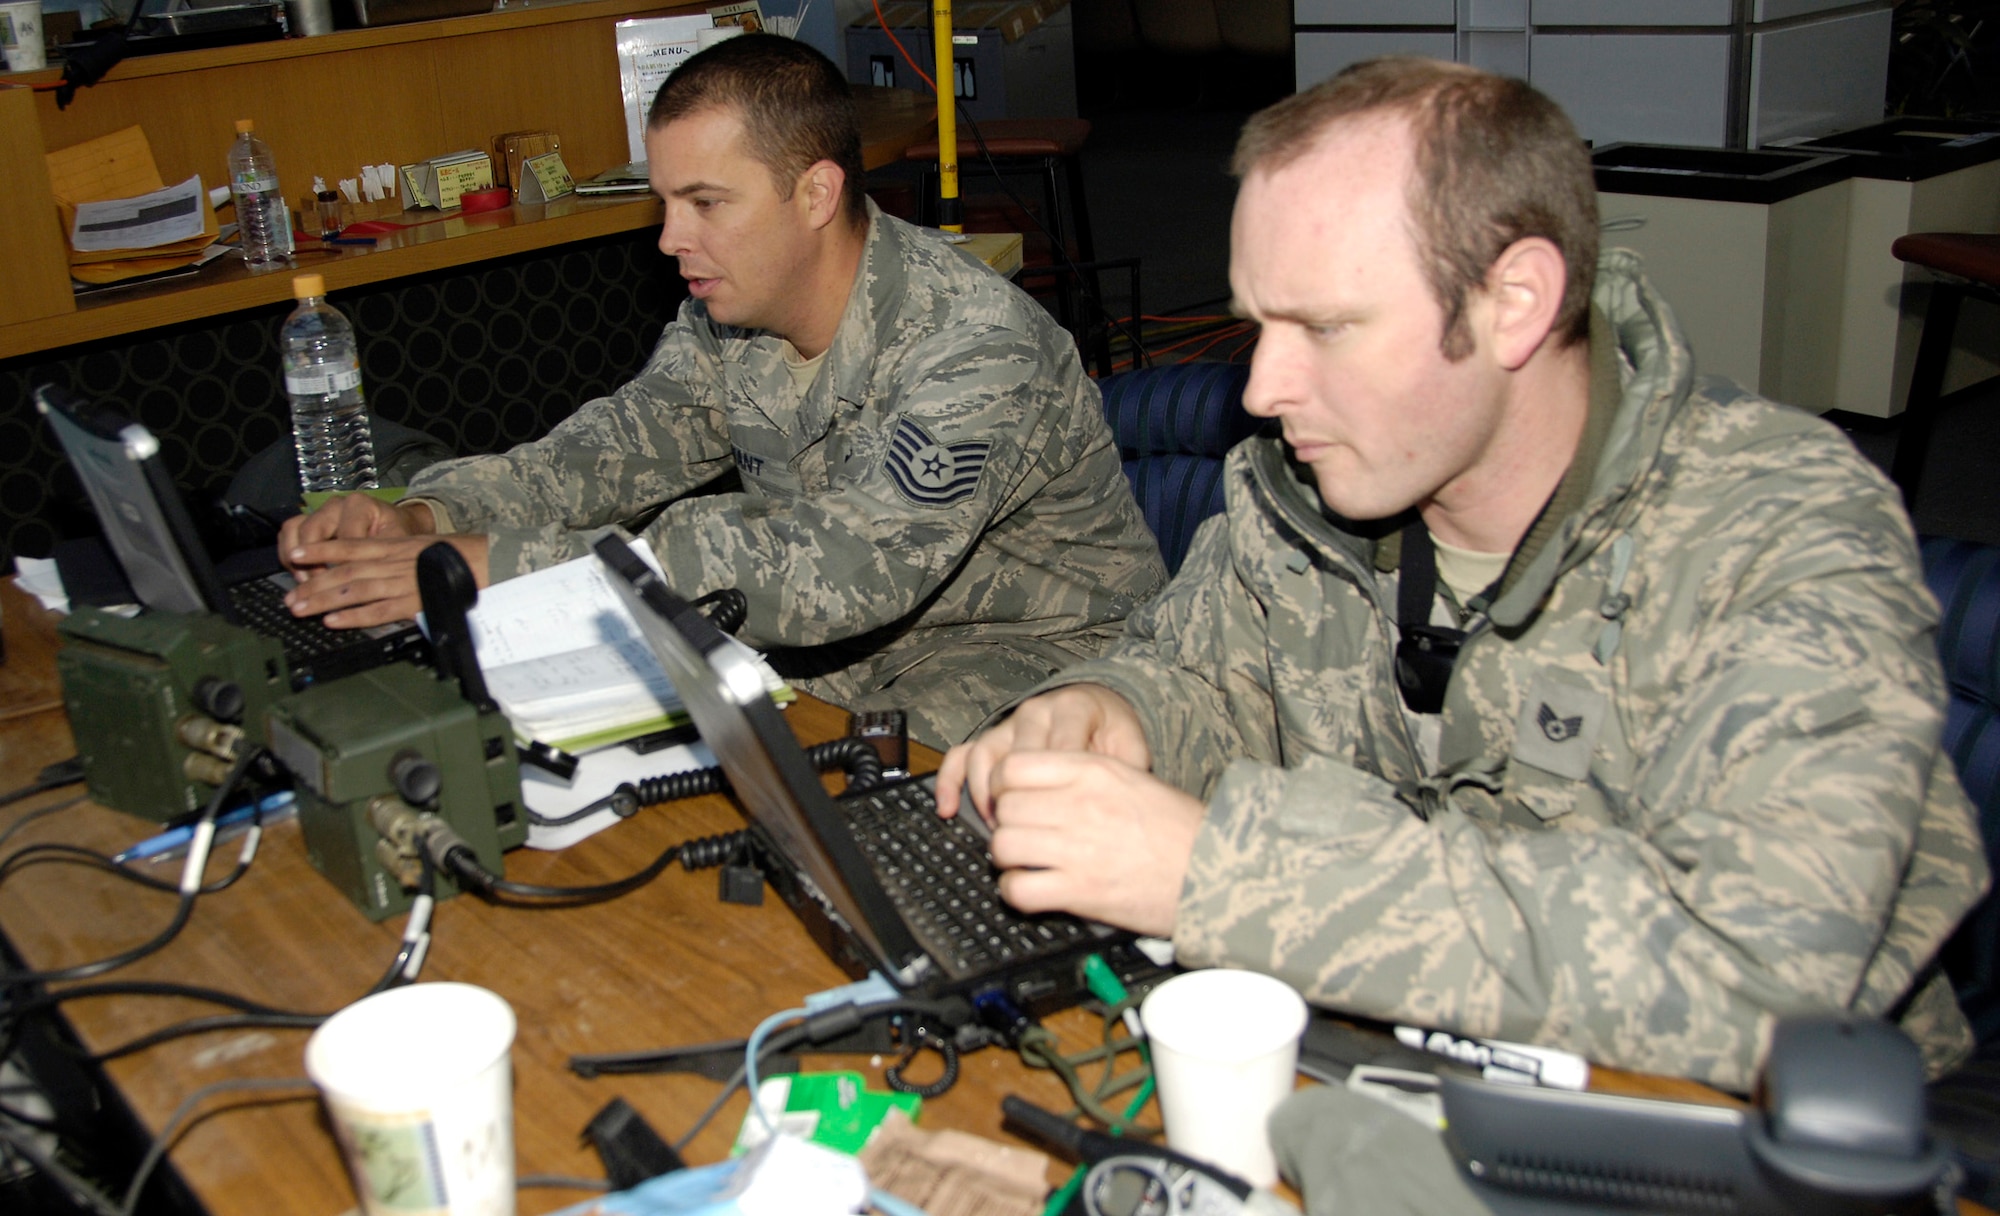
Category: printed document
[164,217]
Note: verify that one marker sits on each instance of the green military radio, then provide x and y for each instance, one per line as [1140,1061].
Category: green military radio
[162,703]
[387,760]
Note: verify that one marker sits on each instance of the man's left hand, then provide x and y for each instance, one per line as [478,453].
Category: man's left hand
[359,583]
[1092,836]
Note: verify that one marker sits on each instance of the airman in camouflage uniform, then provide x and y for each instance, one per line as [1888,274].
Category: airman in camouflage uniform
[1686,777]
[935,519]
[941,513]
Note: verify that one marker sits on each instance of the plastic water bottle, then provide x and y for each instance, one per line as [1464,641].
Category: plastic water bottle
[323,379]
[263,221]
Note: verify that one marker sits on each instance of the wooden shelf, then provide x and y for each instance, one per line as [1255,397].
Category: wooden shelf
[326,105]
[225,285]
[361,39]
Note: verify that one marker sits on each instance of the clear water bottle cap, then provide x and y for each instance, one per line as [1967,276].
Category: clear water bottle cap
[244,125]
[306,285]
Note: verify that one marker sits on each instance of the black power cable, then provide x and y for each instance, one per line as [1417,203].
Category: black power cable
[190,889]
[55,776]
[403,970]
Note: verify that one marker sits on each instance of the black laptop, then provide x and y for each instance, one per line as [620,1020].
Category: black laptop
[149,530]
[880,882]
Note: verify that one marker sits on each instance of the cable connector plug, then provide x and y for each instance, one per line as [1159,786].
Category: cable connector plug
[875,990]
[999,1014]
[450,853]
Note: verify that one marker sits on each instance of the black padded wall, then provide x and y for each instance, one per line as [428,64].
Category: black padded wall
[483,357]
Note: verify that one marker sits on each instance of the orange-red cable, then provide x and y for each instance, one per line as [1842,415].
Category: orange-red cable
[884,23]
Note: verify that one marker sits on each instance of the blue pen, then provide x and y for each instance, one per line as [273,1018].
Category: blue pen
[178,838]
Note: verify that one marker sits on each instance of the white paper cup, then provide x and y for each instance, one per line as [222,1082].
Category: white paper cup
[419,1088]
[21,35]
[1225,1046]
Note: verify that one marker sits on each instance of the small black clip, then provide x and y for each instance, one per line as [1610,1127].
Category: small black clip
[547,757]
[631,1150]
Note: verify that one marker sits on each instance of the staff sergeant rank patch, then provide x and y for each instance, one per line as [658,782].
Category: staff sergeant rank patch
[1556,728]
[931,474]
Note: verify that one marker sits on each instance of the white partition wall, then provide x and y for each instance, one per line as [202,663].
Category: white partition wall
[1710,73]
[1818,77]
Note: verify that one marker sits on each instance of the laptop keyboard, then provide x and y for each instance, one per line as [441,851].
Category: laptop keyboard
[260,604]
[939,876]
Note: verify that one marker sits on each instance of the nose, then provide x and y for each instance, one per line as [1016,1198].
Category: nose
[673,239]
[1272,381]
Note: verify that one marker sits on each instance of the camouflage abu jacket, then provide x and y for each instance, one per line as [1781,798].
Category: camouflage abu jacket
[943,509]
[1690,777]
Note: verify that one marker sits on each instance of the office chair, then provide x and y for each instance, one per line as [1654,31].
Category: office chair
[1173,426]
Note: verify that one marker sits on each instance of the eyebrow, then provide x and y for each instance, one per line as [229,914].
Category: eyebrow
[699,188]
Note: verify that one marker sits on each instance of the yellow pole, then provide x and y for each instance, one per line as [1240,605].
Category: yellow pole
[950,216]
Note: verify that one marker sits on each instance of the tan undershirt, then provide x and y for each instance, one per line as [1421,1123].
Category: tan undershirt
[803,370]
[1467,571]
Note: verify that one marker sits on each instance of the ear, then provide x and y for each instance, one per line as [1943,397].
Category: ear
[821,189]
[1524,292]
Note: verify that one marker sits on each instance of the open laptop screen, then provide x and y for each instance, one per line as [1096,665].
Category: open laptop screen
[725,695]
[118,462]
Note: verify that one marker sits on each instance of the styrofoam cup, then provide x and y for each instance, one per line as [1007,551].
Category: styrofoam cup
[21,35]
[420,1090]
[1225,1047]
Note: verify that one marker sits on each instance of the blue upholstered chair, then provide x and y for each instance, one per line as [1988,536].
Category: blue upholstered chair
[1965,1106]
[1173,425]
[1966,579]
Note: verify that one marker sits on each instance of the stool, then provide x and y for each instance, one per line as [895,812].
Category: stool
[1048,146]
[1967,264]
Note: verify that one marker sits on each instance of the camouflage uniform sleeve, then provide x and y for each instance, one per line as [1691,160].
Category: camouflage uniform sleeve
[650,441]
[1189,666]
[1775,827]
[819,567]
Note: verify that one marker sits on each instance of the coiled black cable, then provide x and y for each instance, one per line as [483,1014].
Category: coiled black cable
[864,772]
[947,1051]
[672,787]
[726,608]
[707,852]
[863,766]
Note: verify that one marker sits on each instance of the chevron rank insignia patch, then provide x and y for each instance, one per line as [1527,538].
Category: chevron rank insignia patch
[1556,728]
[932,474]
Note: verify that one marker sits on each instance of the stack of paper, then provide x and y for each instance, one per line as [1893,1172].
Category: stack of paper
[121,219]
[567,664]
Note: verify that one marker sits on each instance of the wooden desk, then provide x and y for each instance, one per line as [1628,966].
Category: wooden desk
[395,94]
[665,965]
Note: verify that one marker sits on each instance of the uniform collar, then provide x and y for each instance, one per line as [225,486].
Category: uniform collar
[870,303]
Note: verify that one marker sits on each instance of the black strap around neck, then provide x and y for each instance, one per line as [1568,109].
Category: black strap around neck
[1426,653]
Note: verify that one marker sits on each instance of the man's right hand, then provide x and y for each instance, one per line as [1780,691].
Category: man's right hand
[1077,718]
[348,517]
[356,560]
